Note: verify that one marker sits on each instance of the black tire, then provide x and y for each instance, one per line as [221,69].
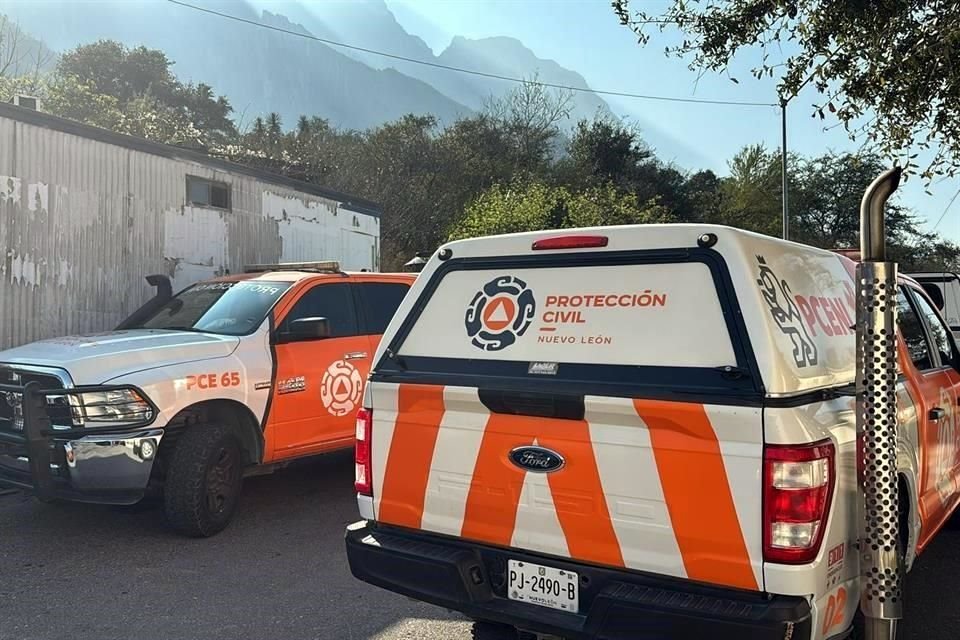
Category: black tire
[493,631]
[203,480]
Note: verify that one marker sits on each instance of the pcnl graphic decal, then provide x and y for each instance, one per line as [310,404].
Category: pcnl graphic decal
[500,313]
[776,293]
[341,388]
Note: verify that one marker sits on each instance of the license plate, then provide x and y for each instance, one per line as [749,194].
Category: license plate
[544,586]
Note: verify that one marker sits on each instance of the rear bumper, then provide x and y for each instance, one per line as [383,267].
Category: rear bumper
[614,604]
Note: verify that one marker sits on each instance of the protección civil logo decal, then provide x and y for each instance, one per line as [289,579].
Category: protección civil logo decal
[341,388]
[500,312]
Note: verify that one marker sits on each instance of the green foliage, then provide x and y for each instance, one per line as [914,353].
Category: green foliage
[535,206]
[70,97]
[605,150]
[825,194]
[505,170]
[146,116]
[885,68]
[751,194]
[155,103]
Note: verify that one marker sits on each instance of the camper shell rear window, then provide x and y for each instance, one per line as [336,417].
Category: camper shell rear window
[660,323]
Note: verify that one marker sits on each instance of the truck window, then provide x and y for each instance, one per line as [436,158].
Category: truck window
[938,331]
[595,325]
[331,301]
[913,333]
[944,291]
[379,301]
[228,308]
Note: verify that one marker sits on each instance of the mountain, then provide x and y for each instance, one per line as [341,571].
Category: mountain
[509,57]
[261,70]
[372,23]
[257,69]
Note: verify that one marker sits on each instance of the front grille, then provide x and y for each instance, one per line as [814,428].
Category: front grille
[11,413]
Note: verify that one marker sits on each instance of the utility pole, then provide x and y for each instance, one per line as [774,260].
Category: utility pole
[783,167]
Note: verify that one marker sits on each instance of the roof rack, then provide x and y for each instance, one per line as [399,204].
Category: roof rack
[320,266]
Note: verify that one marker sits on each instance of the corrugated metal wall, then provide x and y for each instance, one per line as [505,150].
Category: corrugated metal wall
[82,222]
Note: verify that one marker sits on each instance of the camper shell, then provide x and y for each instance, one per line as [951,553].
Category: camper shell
[586,432]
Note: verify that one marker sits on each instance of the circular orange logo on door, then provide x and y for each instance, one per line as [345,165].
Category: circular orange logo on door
[341,388]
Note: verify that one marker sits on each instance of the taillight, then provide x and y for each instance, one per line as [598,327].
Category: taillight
[798,488]
[364,463]
[570,242]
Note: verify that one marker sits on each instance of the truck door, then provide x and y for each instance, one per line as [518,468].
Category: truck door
[319,383]
[930,373]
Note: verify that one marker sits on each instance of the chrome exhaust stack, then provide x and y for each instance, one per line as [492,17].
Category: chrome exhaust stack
[881,565]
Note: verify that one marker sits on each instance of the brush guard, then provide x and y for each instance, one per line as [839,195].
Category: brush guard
[881,561]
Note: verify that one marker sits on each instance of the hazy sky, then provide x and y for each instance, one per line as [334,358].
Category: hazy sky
[584,35]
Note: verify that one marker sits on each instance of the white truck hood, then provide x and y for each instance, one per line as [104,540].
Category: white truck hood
[98,358]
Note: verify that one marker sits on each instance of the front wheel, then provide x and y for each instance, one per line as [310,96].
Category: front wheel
[203,480]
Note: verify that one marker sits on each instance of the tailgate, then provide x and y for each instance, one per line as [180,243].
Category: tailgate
[554,408]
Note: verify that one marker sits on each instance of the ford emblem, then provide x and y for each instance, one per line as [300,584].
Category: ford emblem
[537,459]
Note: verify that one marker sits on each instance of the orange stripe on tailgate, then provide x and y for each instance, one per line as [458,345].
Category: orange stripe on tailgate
[589,531]
[579,501]
[697,492]
[419,411]
[491,510]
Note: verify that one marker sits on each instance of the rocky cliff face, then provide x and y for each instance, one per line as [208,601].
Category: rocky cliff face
[262,71]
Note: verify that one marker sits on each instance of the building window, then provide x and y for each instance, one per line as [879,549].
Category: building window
[208,193]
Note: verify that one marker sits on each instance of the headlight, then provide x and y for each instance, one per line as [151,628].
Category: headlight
[113,407]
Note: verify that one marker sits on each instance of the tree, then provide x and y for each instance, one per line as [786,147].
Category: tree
[751,195]
[303,128]
[535,206]
[701,198]
[111,69]
[70,97]
[258,134]
[148,117]
[825,194]
[604,150]
[208,112]
[826,201]
[934,255]
[274,130]
[530,114]
[139,78]
[885,68]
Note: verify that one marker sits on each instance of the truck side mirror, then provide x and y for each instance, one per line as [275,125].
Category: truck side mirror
[303,329]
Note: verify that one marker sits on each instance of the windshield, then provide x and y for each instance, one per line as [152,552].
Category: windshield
[229,308]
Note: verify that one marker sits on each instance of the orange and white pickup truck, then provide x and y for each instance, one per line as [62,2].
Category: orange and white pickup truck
[641,432]
[230,376]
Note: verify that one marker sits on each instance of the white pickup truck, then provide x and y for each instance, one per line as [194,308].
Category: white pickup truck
[645,431]
[231,376]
